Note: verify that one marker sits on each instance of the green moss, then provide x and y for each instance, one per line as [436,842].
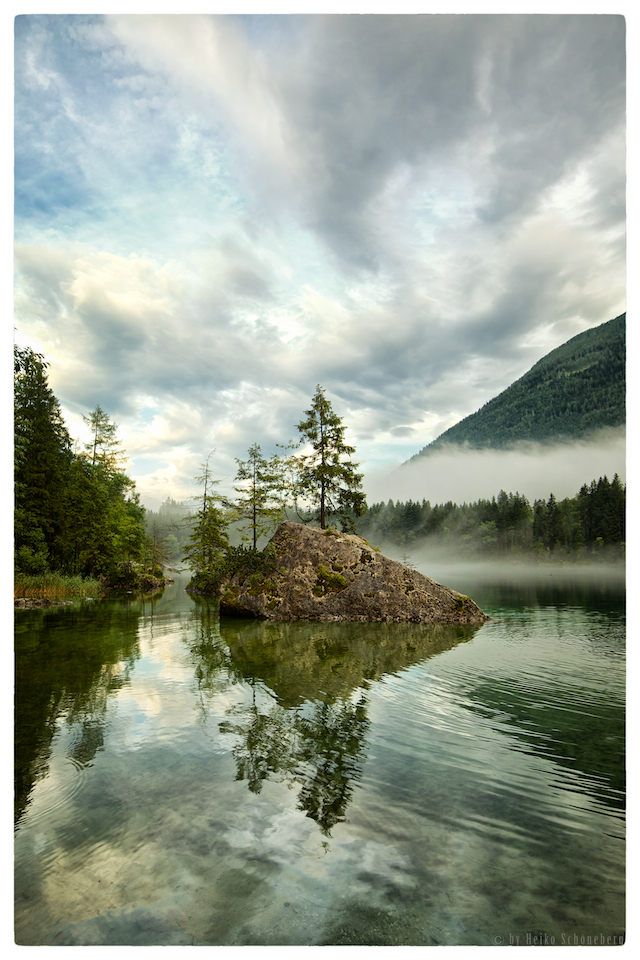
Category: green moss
[377,549]
[254,585]
[328,582]
[230,598]
[409,588]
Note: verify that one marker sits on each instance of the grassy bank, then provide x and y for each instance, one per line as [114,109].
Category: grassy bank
[54,586]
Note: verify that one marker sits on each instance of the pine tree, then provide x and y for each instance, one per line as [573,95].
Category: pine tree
[104,446]
[260,500]
[42,454]
[331,483]
[209,540]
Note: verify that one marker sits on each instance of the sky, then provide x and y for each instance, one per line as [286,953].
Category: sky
[215,213]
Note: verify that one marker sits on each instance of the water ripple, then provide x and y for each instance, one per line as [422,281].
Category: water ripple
[66,778]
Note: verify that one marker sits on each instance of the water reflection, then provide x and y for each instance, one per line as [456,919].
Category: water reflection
[309,725]
[322,750]
[581,730]
[332,744]
[311,660]
[193,781]
[69,662]
[514,586]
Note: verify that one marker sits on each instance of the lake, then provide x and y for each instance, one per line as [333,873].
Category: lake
[185,780]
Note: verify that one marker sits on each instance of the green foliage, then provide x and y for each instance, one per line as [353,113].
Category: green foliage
[253,565]
[324,477]
[104,446]
[328,581]
[135,577]
[261,500]
[574,390]
[208,540]
[589,524]
[41,460]
[104,519]
[74,513]
[55,586]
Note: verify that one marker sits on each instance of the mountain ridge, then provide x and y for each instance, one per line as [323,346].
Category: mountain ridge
[575,390]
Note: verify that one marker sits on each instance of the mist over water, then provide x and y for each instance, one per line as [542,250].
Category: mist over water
[523,577]
[532,469]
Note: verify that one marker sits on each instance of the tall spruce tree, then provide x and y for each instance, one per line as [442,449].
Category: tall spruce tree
[104,447]
[260,500]
[75,513]
[42,454]
[209,540]
[329,481]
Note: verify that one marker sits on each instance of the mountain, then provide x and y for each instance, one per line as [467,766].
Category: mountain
[576,389]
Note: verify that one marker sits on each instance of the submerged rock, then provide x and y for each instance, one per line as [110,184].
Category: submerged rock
[313,574]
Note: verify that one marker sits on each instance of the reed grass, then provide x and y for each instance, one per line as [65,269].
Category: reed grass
[54,586]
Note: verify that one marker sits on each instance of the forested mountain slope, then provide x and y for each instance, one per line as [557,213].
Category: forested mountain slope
[576,389]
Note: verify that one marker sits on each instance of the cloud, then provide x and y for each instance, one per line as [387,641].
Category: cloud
[531,469]
[216,213]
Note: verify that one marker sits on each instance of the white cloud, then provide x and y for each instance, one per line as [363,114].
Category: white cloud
[409,211]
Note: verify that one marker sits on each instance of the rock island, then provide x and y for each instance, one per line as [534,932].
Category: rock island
[314,574]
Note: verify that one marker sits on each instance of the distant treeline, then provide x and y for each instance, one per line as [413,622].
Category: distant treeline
[589,525]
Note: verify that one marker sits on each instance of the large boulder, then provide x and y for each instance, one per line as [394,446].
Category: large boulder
[313,574]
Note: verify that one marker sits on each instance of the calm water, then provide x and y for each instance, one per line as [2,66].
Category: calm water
[183,780]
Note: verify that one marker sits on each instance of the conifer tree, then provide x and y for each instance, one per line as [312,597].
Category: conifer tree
[42,453]
[328,480]
[76,513]
[104,446]
[260,500]
[209,540]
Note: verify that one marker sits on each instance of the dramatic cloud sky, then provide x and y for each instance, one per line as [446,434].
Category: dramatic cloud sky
[216,213]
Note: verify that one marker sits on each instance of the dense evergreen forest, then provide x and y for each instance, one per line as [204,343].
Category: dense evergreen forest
[576,389]
[590,525]
[76,512]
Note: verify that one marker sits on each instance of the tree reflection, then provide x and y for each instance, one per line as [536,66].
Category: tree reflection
[307,721]
[333,742]
[68,663]
[323,750]
[266,748]
[208,653]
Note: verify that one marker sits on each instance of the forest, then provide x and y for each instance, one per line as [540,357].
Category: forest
[76,511]
[77,514]
[590,525]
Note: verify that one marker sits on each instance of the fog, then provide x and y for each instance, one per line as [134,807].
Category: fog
[531,469]
[490,581]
